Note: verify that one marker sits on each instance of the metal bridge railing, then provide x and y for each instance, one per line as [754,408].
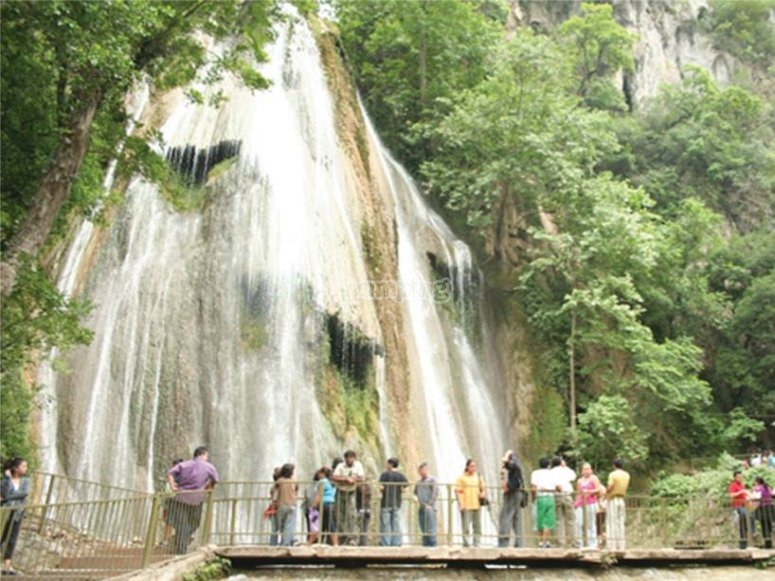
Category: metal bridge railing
[107,536]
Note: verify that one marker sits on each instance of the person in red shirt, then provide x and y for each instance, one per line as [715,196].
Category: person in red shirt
[739,495]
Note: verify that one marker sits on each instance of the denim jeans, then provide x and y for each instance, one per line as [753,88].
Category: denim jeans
[286,519]
[390,527]
[587,536]
[742,518]
[426,517]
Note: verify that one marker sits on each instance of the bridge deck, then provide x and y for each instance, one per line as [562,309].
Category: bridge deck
[458,557]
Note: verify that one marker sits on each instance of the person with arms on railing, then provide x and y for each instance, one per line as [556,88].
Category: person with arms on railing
[14,490]
[190,480]
[543,488]
[346,477]
[563,502]
[426,491]
[169,529]
[514,500]
[392,483]
[618,482]
[470,490]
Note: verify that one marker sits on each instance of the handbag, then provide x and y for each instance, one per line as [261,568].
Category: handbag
[483,500]
[270,510]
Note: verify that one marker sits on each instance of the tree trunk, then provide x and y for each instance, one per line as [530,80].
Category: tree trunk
[51,195]
[572,371]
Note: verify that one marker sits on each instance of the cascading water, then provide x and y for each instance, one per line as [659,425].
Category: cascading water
[211,326]
[458,397]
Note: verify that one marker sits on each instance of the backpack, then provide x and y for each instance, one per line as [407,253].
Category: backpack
[515,477]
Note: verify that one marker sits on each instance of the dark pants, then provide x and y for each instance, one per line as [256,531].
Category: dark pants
[510,519]
[10,535]
[328,526]
[427,520]
[766,515]
[185,518]
[364,518]
[742,517]
[347,517]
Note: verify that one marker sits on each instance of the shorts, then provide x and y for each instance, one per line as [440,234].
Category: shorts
[546,515]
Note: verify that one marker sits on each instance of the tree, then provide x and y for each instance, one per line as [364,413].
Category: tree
[699,140]
[410,56]
[91,53]
[600,48]
[744,27]
[66,68]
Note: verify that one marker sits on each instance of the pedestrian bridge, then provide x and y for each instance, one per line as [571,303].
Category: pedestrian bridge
[82,530]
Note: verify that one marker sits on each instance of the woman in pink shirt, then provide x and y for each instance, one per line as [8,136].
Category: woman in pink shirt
[764,510]
[588,487]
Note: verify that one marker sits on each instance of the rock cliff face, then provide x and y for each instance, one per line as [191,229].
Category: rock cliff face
[669,38]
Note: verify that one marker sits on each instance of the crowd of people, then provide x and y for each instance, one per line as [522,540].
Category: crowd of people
[751,507]
[569,509]
[337,504]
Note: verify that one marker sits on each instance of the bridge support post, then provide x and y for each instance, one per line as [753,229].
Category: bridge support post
[150,534]
[208,526]
[46,504]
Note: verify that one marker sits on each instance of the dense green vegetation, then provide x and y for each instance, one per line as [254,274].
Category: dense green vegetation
[639,244]
[66,68]
[637,239]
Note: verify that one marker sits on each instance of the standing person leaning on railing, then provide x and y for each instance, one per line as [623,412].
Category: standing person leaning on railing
[346,477]
[190,480]
[14,489]
[563,502]
[542,489]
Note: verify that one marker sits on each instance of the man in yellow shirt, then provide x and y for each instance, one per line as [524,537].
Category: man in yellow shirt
[618,482]
[470,490]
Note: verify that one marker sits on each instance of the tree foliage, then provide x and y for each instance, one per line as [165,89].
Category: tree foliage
[409,56]
[699,140]
[599,48]
[66,69]
[614,269]
[744,28]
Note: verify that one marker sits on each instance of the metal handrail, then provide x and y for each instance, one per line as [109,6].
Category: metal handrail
[129,533]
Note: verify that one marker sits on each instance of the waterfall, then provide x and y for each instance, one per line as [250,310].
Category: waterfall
[461,403]
[213,325]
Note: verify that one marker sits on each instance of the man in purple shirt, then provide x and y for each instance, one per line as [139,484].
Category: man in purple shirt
[190,480]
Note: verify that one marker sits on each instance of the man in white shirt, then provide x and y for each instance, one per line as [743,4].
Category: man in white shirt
[346,478]
[542,489]
[564,478]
